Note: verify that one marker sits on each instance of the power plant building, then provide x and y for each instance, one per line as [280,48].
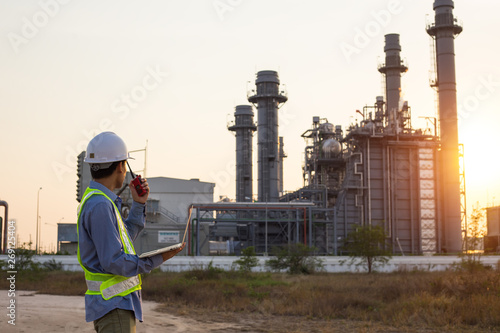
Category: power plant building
[378,172]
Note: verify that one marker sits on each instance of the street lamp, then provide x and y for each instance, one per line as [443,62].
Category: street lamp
[37,219]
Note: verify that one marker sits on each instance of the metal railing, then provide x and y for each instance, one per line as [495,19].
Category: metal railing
[164,212]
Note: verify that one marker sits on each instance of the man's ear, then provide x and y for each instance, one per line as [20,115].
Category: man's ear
[122,167]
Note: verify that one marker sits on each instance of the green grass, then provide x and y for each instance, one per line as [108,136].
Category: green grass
[439,300]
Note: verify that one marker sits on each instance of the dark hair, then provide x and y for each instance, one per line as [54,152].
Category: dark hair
[103,173]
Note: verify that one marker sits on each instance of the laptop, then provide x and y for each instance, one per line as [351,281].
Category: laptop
[171,247]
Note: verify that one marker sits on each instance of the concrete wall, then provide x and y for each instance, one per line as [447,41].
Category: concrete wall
[331,264]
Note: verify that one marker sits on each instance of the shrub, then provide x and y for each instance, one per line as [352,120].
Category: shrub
[24,261]
[210,273]
[248,260]
[24,258]
[52,265]
[471,258]
[295,259]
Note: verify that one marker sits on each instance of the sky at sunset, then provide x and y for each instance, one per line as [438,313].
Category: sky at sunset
[171,72]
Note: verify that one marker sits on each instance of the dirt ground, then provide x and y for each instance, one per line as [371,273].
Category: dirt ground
[51,313]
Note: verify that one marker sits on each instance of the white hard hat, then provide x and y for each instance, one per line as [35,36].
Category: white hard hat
[104,149]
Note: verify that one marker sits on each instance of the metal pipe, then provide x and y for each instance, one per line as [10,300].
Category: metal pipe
[439,203]
[265,238]
[197,232]
[305,229]
[297,226]
[384,181]
[289,231]
[307,170]
[282,156]
[389,190]
[335,230]
[5,225]
[419,205]
[345,216]
[412,194]
[310,227]
[326,234]
[369,183]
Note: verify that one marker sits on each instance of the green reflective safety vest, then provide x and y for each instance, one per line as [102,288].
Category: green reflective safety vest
[108,285]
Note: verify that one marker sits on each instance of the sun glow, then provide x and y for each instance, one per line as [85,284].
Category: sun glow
[481,163]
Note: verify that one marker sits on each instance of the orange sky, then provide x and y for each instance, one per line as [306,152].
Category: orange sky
[67,68]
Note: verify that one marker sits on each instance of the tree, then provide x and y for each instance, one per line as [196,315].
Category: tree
[471,258]
[296,259]
[366,245]
[248,260]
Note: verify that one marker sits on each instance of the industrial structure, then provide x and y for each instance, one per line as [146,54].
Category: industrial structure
[5,226]
[243,127]
[444,30]
[492,237]
[268,97]
[379,171]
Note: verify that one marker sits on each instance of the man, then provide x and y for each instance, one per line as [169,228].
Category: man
[105,249]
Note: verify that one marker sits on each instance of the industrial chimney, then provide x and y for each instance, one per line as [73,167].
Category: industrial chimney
[268,99]
[392,68]
[243,127]
[444,31]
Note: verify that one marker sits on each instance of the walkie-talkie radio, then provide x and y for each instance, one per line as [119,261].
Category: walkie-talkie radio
[137,182]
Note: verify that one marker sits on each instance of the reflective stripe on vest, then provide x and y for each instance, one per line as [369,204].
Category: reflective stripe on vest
[109,285]
[115,289]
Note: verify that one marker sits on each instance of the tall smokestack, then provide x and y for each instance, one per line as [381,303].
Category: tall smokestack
[444,31]
[268,99]
[243,128]
[392,69]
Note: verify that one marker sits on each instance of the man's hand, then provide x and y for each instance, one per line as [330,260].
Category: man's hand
[135,196]
[170,254]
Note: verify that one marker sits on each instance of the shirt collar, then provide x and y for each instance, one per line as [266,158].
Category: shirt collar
[99,186]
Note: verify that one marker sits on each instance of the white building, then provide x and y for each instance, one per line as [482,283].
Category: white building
[168,209]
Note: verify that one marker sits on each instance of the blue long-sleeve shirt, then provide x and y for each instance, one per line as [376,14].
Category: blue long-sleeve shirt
[101,250]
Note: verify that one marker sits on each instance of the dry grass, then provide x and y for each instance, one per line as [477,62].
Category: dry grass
[444,301]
